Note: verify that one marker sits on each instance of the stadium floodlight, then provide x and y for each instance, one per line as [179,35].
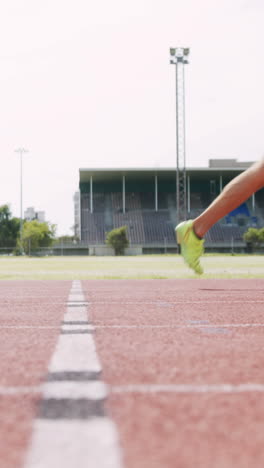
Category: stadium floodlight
[179,57]
[179,54]
[21,152]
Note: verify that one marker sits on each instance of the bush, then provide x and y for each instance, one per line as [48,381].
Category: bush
[253,236]
[117,238]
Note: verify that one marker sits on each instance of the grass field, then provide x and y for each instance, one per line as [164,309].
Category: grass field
[138,267]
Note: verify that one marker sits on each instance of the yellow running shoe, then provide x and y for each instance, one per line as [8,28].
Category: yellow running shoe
[191,246]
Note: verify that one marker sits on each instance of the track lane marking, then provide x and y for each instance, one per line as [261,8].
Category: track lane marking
[196,326]
[13,391]
[185,388]
[181,302]
[92,328]
[151,388]
[91,390]
[64,443]
[71,428]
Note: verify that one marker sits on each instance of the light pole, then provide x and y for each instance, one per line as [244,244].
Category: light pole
[21,152]
[178,57]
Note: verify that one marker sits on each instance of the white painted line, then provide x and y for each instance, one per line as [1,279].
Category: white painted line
[199,326]
[81,317]
[39,327]
[76,297]
[74,390]
[70,444]
[182,302]
[53,389]
[13,391]
[75,353]
[184,388]
[72,429]
[76,313]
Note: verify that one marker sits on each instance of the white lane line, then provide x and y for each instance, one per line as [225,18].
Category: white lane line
[13,391]
[71,428]
[40,327]
[101,392]
[75,390]
[182,302]
[184,388]
[70,444]
[76,313]
[76,297]
[75,353]
[199,326]
[92,328]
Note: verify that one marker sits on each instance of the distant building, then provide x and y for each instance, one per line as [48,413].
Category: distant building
[77,217]
[30,214]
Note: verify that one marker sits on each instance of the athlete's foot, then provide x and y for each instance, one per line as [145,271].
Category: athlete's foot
[191,246]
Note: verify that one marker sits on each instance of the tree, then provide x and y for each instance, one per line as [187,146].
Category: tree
[117,238]
[9,227]
[36,235]
[252,236]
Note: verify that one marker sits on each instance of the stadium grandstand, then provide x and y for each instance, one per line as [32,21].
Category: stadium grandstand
[144,200]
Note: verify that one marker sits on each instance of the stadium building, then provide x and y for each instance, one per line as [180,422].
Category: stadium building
[144,200]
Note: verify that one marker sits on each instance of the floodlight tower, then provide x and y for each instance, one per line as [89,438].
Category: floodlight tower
[179,58]
[21,152]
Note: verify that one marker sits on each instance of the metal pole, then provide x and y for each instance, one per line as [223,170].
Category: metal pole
[189,194]
[177,151]
[124,193]
[156,193]
[232,245]
[91,194]
[21,152]
[21,200]
[184,144]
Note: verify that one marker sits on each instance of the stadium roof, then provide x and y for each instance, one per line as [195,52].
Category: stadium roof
[214,170]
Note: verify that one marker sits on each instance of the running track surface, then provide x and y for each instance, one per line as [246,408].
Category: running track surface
[183,360]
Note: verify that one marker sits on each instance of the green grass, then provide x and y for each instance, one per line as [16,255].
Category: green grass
[137,267]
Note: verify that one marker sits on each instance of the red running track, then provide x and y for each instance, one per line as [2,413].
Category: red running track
[30,319]
[167,348]
[160,342]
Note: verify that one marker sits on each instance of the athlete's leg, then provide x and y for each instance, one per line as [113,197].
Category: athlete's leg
[190,233]
[233,194]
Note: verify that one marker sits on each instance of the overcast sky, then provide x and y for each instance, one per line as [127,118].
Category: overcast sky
[88,84]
